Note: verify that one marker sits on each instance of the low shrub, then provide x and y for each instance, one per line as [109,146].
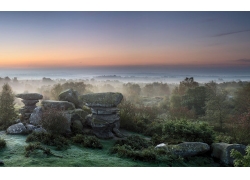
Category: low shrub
[54,121]
[87,141]
[180,130]
[135,142]
[2,143]
[49,139]
[127,151]
[37,146]
[189,131]
[136,117]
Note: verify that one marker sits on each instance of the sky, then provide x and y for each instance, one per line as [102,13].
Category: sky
[110,39]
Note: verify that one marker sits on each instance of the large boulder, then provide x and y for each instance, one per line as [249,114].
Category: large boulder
[60,105]
[186,149]
[71,96]
[103,126]
[108,99]
[222,151]
[18,128]
[36,116]
[29,96]
[78,114]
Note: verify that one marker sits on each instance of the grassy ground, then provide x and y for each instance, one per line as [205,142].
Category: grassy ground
[75,156]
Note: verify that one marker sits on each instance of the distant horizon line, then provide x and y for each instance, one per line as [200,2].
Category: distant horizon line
[221,66]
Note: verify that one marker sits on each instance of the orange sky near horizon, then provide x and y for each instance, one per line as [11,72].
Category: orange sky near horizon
[81,39]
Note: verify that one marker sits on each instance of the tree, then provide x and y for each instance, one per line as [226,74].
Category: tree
[217,105]
[7,110]
[195,99]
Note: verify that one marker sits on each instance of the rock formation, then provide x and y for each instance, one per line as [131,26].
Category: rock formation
[105,119]
[29,100]
[222,151]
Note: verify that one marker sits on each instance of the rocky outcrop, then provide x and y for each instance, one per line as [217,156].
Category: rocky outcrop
[108,99]
[105,119]
[29,100]
[18,128]
[36,116]
[71,96]
[186,149]
[222,151]
[59,105]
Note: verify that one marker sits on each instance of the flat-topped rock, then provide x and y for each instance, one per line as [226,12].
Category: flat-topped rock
[98,120]
[60,105]
[103,111]
[108,99]
[29,96]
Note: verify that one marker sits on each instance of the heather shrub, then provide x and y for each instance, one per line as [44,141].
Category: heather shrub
[180,130]
[135,142]
[54,121]
[31,148]
[136,117]
[58,141]
[87,141]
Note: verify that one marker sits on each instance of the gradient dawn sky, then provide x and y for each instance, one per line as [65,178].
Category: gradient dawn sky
[83,39]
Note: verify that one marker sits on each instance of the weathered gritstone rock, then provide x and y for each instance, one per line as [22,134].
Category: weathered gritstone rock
[104,111]
[59,105]
[36,116]
[186,149]
[108,99]
[17,129]
[222,151]
[29,96]
[29,100]
[71,96]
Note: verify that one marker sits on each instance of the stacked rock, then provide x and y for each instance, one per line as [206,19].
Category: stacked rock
[29,100]
[105,119]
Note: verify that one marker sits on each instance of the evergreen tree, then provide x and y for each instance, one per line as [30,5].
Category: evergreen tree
[7,110]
